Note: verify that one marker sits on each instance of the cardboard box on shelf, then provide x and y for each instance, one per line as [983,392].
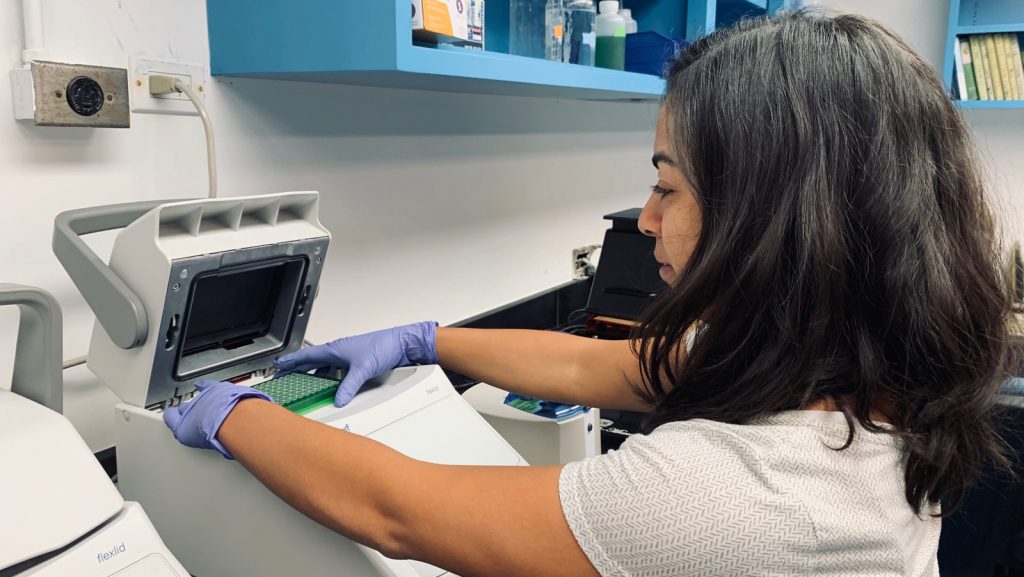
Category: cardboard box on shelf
[446,18]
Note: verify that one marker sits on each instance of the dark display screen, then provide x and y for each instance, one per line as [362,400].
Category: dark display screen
[230,309]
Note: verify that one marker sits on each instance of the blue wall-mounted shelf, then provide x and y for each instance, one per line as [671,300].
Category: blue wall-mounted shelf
[968,17]
[983,104]
[370,43]
[989,29]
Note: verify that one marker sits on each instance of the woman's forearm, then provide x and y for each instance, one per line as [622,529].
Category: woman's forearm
[452,516]
[548,365]
[310,466]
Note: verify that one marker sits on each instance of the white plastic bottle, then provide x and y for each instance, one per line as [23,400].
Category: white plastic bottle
[630,23]
[611,36]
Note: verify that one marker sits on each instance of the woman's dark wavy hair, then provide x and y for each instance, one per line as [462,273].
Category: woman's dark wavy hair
[846,253]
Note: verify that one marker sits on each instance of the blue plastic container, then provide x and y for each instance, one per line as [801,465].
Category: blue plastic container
[650,52]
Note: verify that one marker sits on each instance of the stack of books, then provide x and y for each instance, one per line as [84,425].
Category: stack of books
[990,66]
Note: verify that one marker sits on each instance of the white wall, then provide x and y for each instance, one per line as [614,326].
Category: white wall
[441,205]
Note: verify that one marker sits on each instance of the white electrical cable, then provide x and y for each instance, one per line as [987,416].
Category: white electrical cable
[211,158]
[70,363]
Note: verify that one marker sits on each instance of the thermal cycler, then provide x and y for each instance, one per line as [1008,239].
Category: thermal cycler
[60,514]
[217,289]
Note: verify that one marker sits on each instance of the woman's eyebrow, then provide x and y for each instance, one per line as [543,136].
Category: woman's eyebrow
[662,157]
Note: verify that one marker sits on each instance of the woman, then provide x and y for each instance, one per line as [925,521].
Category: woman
[818,375]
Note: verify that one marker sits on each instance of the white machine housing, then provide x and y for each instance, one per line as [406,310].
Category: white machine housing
[62,515]
[59,513]
[172,254]
[540,440]
[219,520]
[223,523]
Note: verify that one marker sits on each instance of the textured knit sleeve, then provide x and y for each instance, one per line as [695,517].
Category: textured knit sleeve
[685,500]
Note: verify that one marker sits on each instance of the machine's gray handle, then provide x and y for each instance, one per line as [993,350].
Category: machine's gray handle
[116,307]
[38,364]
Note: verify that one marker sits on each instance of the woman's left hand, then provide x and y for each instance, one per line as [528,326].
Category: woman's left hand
[195,423]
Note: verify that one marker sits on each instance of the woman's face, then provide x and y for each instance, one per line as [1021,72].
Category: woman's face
[671,214]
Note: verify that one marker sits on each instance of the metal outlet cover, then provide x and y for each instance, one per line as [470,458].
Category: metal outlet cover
[105,95]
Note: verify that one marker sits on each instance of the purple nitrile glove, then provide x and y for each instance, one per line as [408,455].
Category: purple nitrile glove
[195,423]
[367,356]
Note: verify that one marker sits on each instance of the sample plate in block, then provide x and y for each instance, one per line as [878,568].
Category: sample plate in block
[300,393]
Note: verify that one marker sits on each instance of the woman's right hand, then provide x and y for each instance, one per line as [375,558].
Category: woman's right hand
[366,356]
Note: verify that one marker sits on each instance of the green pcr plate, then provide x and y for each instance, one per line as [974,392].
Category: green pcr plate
[300,393]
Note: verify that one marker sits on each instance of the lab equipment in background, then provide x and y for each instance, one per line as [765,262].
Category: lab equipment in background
[61,514]
[625,282]
[445,19]
[650,52]
[985,536]
[216,289]
[526,28]
[579,39]
[611,37]
[627,278]
[554,29]
[541,408]
[627,15]
[540,440]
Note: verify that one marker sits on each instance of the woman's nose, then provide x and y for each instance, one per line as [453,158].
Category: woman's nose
[649,222]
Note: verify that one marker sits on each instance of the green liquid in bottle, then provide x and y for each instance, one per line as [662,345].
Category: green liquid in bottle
[611,52]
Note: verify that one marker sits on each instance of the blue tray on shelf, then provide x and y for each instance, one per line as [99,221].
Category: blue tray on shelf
[650,52]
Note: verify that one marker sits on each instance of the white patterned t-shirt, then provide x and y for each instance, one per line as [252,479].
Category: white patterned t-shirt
[705,499]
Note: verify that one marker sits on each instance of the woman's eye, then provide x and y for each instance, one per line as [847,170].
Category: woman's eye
[659,190]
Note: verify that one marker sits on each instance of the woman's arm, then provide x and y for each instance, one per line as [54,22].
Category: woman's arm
[474,521]
[546,365]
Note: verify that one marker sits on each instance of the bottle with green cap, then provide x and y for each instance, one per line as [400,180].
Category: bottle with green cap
[611,36]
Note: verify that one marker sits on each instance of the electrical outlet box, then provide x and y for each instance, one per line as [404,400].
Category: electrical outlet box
[59,94]
[584,261]
[139,71]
